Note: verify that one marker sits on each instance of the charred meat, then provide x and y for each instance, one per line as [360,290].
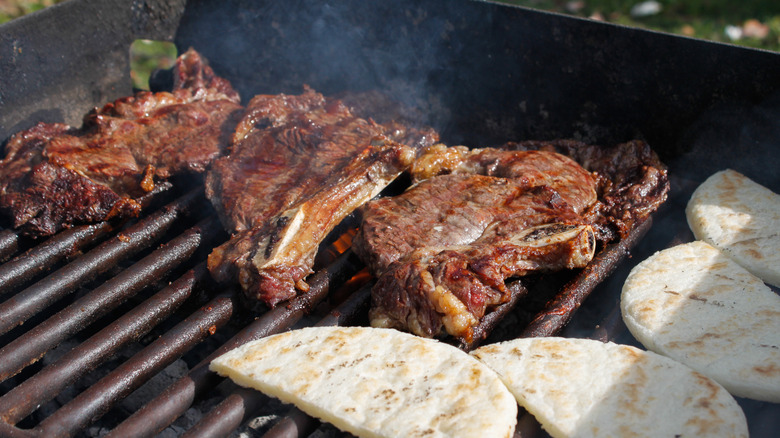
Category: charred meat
[298,165]
[443,250]
[54,176]
[631,181]
[457,211]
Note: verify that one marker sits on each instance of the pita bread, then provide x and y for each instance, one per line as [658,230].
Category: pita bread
[697,306]
[586,388]
[376,382]
[742,219]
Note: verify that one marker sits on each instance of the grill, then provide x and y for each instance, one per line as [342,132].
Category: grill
[126,300]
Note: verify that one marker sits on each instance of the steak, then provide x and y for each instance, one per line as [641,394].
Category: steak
[450,287]
[631,181]
[54,175]
[443,249]
[297,166]
[457,211]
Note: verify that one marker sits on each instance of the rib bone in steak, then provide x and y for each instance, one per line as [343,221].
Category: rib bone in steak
[443,249]
[298,166]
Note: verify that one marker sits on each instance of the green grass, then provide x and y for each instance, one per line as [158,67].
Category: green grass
[10,9]
[146,56]
[705,19]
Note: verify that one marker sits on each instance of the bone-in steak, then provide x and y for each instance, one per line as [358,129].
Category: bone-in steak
[298,165]
[453,211]
[54,176]
[443,249]
[631,181]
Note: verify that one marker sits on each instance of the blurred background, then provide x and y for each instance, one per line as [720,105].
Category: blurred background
[751,23]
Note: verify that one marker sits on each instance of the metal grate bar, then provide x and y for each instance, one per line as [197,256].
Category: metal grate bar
[8,431]
[50,381]
[295,423]
[25,267]
[177,398]
[32,345]
[99,398]
[9,243]
[41,258]
[517,291]
[229,414]
[37,297]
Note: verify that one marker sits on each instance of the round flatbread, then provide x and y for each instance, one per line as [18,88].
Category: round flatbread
[741,218]
[376,382]
[695,305]
[587,388]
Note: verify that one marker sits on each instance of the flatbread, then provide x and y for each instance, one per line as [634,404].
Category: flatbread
[376,382]
[697,306]
[741,218]
[587,388]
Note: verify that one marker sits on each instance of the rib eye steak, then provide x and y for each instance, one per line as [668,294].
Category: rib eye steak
[298,165]
[443,249]
[54,175]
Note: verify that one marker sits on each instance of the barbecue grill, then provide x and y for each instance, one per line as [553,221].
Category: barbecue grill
[89,316]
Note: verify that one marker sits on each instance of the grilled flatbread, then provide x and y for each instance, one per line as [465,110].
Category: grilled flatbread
[586,388]
[741,218]
[697,306]
[376,382]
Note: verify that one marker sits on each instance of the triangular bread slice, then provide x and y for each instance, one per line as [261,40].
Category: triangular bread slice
[587,388]
[741,218]
[376,382]
[695,305]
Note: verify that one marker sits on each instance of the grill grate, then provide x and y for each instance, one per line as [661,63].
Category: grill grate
[183,314]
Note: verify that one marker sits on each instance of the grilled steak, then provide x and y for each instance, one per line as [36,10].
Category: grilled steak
[451,287]
[298,165]
[443,249]
[54,176]
[631,181]
[454,211]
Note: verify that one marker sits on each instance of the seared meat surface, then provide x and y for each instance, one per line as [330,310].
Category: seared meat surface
[472,234]
[457,211]
[298,165]
[631,181]
[443,249]
[54,176]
